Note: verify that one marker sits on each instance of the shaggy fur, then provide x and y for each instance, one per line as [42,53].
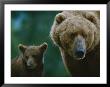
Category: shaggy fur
[69,26]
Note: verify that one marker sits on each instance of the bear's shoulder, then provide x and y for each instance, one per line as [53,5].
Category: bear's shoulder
[17,66]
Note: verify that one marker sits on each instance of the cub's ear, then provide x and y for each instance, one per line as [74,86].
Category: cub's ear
[43,46]
[22,47]
[60,17]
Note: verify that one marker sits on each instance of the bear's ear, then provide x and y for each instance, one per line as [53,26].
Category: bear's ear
[43,46]
[60,17]
[92,18]
[22,47]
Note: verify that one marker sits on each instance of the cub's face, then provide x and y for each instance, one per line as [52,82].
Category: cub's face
[33,55]
[74,35]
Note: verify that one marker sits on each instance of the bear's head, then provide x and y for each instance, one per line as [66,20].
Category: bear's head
[75,35]
[32,55]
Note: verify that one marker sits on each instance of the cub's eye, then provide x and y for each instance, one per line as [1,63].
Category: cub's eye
[26,57]
[34,56]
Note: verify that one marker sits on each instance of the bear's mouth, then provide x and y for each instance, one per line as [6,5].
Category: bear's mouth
[79,58]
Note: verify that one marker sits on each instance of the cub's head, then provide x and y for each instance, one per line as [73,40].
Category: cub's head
[75,35]
[33,55]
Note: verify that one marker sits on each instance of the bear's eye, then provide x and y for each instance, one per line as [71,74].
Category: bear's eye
[84,35]
[72,35]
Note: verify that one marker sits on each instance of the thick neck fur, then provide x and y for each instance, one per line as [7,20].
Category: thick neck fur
[89,66]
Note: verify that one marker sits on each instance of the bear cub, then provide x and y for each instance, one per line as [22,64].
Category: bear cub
[30,62]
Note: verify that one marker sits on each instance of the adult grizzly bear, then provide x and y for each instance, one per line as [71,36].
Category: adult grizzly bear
[77,34]
[30,62]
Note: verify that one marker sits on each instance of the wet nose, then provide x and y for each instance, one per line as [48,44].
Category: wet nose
[29,64]
[80,53]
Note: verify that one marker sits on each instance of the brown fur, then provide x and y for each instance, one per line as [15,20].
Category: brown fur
[67,26]
[19,65]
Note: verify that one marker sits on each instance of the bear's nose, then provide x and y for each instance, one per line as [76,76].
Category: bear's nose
[80,53]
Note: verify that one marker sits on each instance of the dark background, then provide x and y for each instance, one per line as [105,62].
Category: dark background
[33,28]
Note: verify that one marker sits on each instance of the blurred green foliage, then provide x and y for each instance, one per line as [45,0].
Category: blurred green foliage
[32,28]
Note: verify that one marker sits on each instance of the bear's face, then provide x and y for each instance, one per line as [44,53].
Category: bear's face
[75,35]
[32,55]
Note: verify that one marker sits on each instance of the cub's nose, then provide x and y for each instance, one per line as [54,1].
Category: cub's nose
[30,64]
[80,53]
